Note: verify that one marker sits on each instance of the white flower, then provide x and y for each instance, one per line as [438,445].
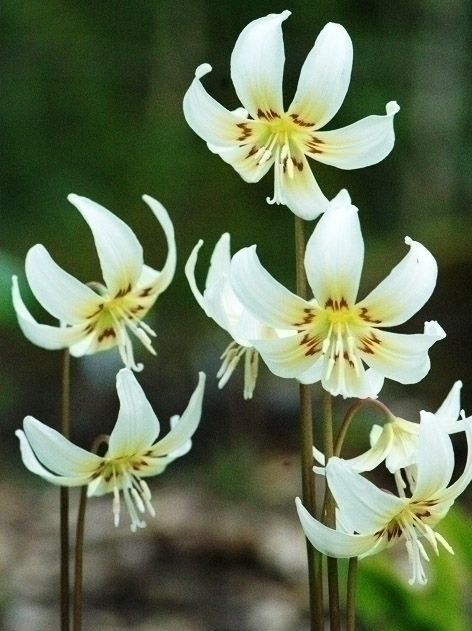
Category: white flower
[370,520]
[132,452]
[264,134]
[396,442]
[335,333]
[220,303]
[97,316]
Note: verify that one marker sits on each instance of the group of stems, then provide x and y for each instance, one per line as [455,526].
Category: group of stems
[324,507]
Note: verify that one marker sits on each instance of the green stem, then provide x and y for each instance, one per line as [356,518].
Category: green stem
[79,546]
[351,412]
[64,500]
[79,558]
[315,579]
[351,595]
[330,515]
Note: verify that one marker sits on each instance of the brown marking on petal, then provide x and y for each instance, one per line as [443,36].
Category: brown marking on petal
[336,305]
[92,315]
[348,359]
[136,308]
[106,333]
[268,114]
[245,130]
[90,327]
[300,122]
[307,318]
[297,163]
[314,145]
[108,477]
[123,292]
[364,314]
[393,532]
[369,342]
[145,292]
[253,150]
[312,343]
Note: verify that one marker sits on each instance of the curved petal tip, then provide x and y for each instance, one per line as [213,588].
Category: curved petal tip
[202,70]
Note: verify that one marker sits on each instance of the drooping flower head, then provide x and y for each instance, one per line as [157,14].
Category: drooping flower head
[335,333]
[370,519]
[98,316]
[220,303]
[263,134]
[132,454]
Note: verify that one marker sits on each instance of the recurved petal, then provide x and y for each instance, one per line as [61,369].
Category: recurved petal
[268,300]
[405,290]
[32,464]
[119,251]
[43,335]
[434,459]
[57,453]
[449,410]
[65,297]
[297,356]
[358,145]
[335,253]
[401,357]
[364,507]
[220,260]
[331,542]
[257,64]
[324,78]
[245,159]
[137,427]
[299,189]
[465,478]
[210,120]
[165,276]
[190,275]
[376,454]
[183,430]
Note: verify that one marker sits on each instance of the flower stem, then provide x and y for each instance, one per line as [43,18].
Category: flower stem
[79,557]
[351,595]
[64,500]
[315,579]
[351,412]
[330,516]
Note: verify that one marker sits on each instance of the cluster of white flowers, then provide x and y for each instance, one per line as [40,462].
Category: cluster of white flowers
[332,338]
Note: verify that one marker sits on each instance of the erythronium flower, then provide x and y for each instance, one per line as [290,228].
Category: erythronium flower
[96,317]
[132,454]
[220,303]
[335,333]
[264,134]
[396,442]
[370,520]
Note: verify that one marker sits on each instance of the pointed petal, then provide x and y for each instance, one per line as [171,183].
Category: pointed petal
[220,260]
[449,410]
[62,295]
[335,253]
[297,356]
[257,64]
[465,478]
[43,335]
[262,295]
[190,275]
[137,426]
[119,251]
[331,542]
[434,460]
[32,463]
[350,380]
[324,78]
[245,158]
[210,120]
[376,454]
[184,429]
[166,274]
[56,452]
[359,145]
[364,507]
[299,190]
[405,290]
[403,357]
